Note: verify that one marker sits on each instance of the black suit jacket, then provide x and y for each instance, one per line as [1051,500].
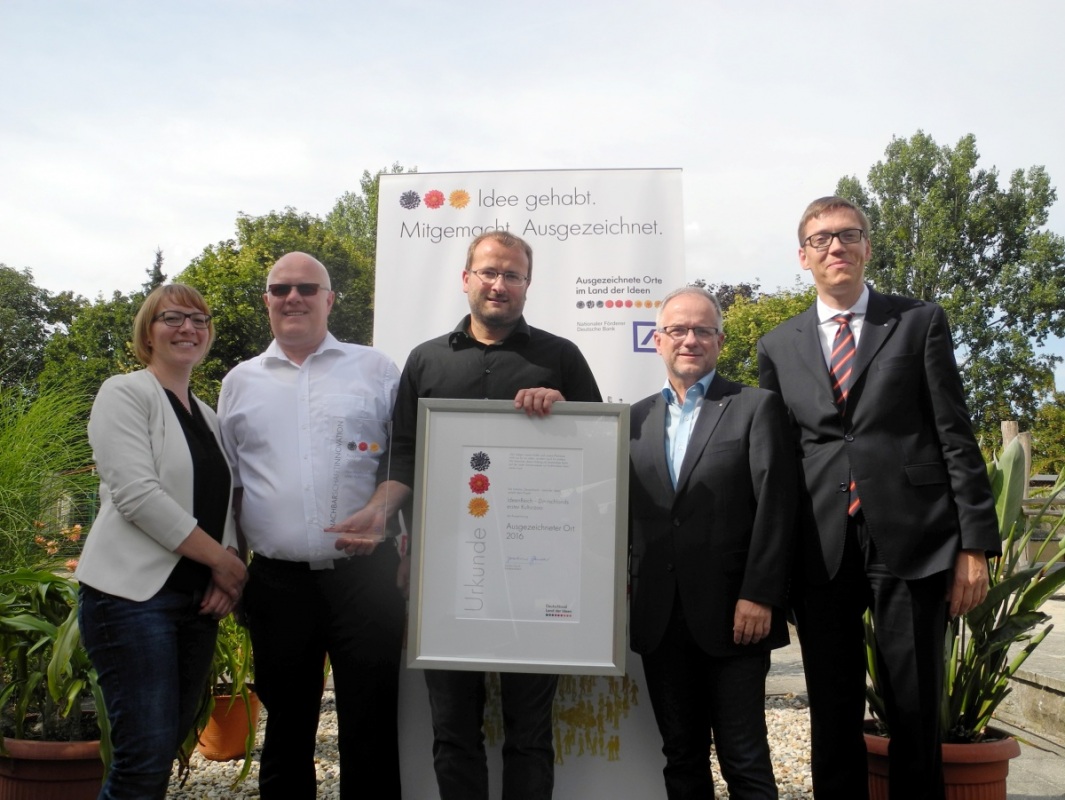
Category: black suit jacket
[726,532]
[905,437]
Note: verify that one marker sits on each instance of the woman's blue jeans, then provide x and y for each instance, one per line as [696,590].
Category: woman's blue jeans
[153,658]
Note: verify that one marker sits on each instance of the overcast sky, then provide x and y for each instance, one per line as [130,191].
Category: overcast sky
[127,125]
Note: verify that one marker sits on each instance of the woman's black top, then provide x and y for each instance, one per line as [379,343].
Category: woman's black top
[210,491]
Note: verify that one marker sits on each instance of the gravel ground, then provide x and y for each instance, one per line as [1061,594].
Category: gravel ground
[786,718]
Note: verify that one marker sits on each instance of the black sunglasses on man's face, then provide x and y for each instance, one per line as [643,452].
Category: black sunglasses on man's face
[283,289]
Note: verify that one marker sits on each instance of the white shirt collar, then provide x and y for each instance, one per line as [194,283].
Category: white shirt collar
[327,344]
[825,313]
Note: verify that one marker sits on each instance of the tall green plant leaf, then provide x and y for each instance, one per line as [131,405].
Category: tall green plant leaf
[1008,482]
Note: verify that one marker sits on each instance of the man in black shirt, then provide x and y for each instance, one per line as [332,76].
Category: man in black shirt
[492,354]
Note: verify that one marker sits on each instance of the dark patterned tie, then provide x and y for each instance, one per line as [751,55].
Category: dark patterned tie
[841,364]
[841,367]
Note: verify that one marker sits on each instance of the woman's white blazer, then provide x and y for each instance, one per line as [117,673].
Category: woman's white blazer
[146,487]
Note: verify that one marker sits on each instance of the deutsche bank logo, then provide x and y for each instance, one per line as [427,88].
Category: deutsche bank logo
[643,340]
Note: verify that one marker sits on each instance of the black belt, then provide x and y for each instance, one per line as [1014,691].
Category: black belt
[338,563]
[300,566]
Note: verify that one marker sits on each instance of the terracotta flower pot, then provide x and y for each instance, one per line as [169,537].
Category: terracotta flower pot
[224,737]
[50,770]
[970,771]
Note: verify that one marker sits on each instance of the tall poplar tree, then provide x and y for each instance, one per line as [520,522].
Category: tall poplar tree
[946,230]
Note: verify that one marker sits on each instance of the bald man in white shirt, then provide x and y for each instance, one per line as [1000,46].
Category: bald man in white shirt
[305,425]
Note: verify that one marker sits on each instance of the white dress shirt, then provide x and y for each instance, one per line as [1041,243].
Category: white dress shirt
[827,327]
[305,441]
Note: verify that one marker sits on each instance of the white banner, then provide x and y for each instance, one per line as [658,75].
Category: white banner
[605,736]
[607,246]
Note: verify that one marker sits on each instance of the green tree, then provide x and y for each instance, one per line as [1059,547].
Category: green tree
[95,345]
[728,293]
[63,307]
[156,276]
[354,215]
[1048,437]
[93,341]
[23,327]
[747,319]
[945,230]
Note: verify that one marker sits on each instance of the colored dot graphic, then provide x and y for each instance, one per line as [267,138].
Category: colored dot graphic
[434,199]
[626,303]
[363,447]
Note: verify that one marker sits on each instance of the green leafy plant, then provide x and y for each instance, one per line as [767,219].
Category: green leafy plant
[980,655]
[232,676]
[48,687]
[45,474]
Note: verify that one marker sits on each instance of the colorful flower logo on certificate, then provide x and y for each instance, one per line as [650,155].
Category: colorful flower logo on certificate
[479,483]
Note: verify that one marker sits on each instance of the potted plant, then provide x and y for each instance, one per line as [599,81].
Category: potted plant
[225,728]
[979,663]
[50,703]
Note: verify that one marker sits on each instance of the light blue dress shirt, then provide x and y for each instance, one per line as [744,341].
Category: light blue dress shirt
[680,420]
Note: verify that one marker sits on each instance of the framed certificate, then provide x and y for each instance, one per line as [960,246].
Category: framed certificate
[520,538]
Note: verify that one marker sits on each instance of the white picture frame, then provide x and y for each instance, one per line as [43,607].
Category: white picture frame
[519,544]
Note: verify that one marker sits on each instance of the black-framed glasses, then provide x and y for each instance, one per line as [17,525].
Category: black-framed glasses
[678,333]
[492,275]
[283,289]
[821,241]
[175,319]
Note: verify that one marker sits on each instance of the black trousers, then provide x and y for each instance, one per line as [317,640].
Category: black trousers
[696,697]
[910,618]
[457,698]
[353,613]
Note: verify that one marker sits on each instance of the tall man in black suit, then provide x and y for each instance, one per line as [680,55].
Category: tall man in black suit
[897,514]
[712,504]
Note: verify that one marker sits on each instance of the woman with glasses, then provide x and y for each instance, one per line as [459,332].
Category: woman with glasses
[160,565]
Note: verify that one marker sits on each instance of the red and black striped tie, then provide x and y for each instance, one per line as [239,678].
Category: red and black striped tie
[841,367]
[841,364]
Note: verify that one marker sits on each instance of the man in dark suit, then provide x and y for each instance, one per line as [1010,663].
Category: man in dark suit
[712,504]
[897,514]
